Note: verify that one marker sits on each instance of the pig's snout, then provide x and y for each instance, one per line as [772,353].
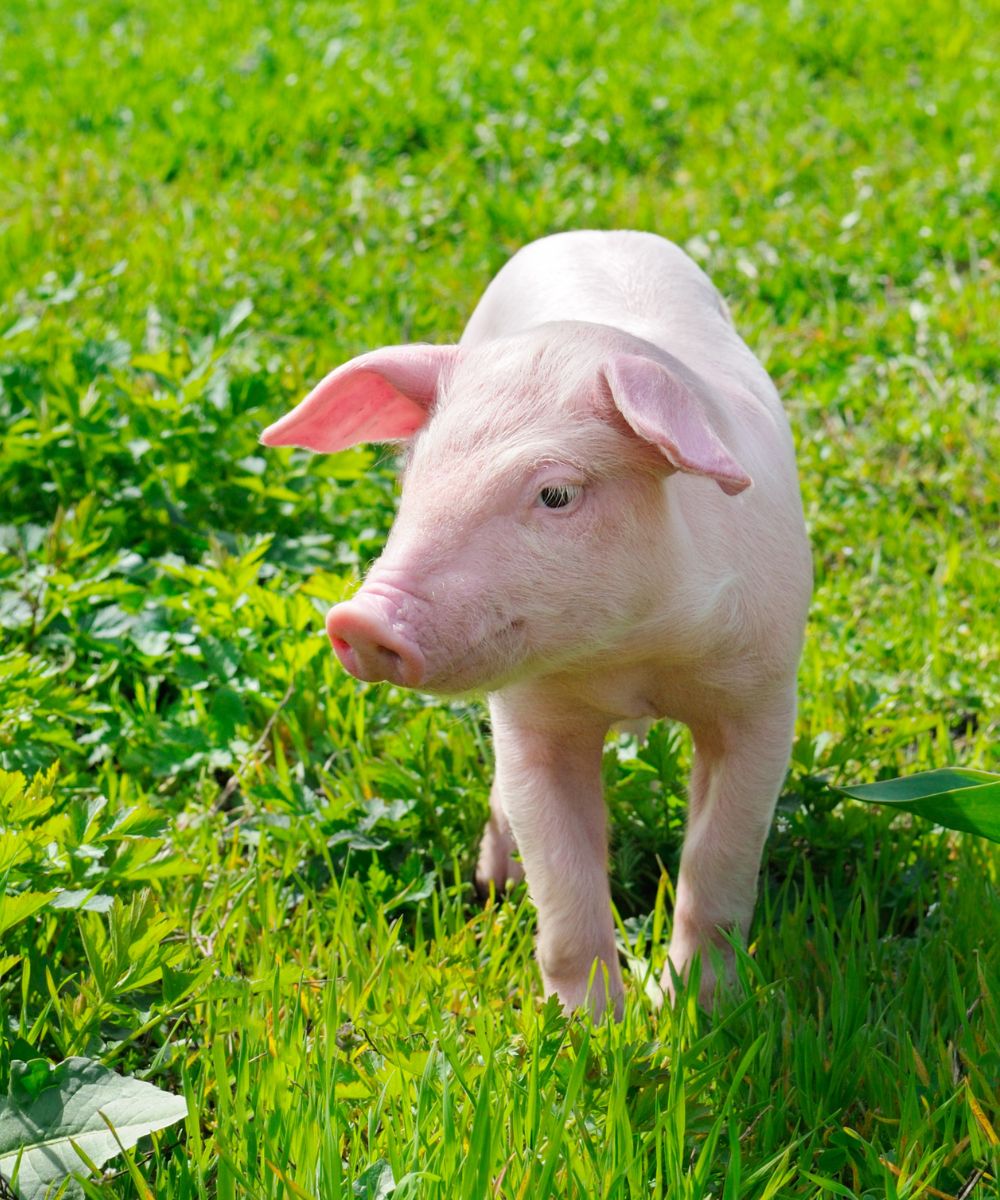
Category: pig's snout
[368,638]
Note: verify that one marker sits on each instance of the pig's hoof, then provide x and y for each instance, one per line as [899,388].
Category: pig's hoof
[497,864]
[598,992]
[502,877]
[675,982]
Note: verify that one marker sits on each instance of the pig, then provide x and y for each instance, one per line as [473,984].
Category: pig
[600,523]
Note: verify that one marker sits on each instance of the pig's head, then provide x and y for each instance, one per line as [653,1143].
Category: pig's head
[533,516]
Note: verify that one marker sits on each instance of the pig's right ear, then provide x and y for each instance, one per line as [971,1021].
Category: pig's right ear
[665,408]
[384,396]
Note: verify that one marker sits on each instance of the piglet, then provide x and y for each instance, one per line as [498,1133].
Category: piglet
[600,522]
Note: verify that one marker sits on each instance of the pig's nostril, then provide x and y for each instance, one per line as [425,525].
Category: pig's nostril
[389,661]
[373,650]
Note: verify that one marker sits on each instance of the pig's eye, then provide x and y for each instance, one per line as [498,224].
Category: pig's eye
[559,495]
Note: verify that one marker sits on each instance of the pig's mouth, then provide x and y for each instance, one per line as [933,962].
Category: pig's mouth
[482,665]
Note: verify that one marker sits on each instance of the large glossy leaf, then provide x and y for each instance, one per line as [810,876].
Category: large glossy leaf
[49,1109]
[955,797]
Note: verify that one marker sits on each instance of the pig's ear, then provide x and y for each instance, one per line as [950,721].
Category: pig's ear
[383,396]
[664,408]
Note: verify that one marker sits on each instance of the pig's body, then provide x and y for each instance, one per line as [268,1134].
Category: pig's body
[600,371]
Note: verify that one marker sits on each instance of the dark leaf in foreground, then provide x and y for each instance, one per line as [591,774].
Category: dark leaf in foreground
[955,797]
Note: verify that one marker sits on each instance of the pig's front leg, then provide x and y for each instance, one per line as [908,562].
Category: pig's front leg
[549,783]
[739,767]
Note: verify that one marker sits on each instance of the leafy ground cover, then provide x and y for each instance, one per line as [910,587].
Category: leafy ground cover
[235,873]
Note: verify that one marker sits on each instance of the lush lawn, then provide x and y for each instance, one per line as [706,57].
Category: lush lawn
[205,206]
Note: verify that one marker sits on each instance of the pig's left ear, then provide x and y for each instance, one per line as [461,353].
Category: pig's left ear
[384,396]
[665,409]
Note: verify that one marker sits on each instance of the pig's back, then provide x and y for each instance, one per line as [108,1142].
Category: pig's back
[637,282]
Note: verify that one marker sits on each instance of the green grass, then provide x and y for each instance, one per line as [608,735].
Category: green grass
[204,208]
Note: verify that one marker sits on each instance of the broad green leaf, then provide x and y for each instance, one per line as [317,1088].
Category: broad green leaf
[955,797]
[29,1077]
[13,848]
[82,898]
[14,909]
[50,1108]
[12,787]
[376,1182]
[20,802]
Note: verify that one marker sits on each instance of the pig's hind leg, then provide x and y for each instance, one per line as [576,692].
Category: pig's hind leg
[497,864]
[739,767]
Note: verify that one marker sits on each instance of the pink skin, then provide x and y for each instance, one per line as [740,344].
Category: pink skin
[578,537]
